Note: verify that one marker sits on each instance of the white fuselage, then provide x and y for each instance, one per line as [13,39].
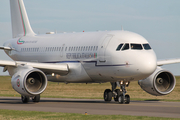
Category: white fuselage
[91,56]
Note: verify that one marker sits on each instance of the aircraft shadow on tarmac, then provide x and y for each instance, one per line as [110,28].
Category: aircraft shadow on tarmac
[18,101]
[10,101]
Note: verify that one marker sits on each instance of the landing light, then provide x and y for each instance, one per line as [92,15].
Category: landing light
[121,82]
[52,74]
[127,83]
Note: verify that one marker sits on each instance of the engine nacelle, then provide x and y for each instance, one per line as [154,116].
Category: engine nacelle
[161,82]
[29,81]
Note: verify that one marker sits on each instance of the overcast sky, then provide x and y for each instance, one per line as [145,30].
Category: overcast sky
[156,20]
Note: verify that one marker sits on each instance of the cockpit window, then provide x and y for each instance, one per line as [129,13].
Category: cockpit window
[125,47]
[136,46]
[119,47]
[146,46]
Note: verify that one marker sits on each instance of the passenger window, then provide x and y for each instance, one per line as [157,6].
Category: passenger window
[119,47]
[136,46]
[146,46]
[96,48]
[125,47]
[89,48]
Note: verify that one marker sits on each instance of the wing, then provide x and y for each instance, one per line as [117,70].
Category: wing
[168,61]
[6,48]
[48,68]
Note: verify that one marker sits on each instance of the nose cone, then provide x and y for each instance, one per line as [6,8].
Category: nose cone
[148,63]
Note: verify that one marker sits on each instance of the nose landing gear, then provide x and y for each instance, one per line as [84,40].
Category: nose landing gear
[123,98]
[119,94]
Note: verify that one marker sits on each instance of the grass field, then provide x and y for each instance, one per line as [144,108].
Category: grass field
[89,91]
[33,115]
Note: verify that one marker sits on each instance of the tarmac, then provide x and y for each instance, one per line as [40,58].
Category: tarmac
[95,106]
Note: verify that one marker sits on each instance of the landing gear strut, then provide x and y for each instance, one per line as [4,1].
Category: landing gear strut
[118,94]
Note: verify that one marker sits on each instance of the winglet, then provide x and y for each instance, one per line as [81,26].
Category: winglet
[19,19]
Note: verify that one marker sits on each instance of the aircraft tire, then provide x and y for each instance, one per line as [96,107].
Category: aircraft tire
[107,95]
[121,99]
[36,98]
[127,99]
[25,99]
[118,94]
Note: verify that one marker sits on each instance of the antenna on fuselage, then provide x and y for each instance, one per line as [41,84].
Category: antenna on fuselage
[122,28]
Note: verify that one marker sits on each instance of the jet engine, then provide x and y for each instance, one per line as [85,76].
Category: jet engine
[29,81]
[161,82]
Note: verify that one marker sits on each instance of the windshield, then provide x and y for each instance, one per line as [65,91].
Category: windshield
[146,46]
[119,47]
[125,47]
[136,46]
[133,46]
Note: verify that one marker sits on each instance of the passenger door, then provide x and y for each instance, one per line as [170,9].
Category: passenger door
[102,49]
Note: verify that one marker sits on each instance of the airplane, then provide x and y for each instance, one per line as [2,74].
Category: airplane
[118,57]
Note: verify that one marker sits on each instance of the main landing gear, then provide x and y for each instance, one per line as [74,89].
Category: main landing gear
[119,94]
[25,99]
